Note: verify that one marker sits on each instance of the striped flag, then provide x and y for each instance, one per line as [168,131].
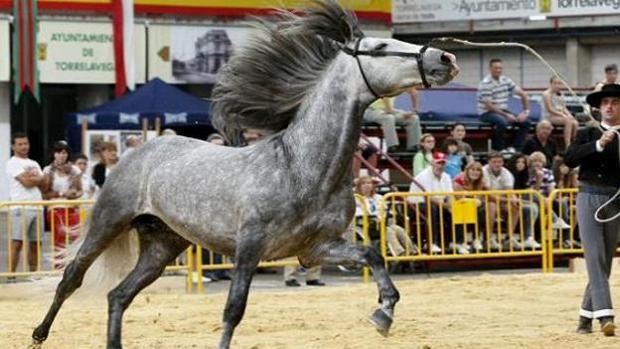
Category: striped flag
[123,15]
[26,73]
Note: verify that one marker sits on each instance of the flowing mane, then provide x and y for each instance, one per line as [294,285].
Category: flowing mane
[263,86]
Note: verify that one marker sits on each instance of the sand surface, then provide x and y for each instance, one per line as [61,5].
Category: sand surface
[487,311]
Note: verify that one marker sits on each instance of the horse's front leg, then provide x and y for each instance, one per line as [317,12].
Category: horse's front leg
[346,253]
[247,256]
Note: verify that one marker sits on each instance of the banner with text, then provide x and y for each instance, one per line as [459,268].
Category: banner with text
[411,11]
[5,51]
[78,52]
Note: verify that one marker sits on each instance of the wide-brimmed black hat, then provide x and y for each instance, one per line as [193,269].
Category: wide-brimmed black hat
[609,90]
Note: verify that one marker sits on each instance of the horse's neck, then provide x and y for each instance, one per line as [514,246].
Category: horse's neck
[324,135]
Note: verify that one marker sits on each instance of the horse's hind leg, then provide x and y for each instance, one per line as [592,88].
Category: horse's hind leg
[101,233]
[158,246]
[344,252]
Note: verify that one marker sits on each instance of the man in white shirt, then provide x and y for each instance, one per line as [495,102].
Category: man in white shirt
[25,177]
[497,177]
[434,180]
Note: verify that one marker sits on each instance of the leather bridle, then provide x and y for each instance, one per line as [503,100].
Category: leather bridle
[356,52]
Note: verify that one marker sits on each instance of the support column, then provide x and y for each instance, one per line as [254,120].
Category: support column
[5,137]
[578,58]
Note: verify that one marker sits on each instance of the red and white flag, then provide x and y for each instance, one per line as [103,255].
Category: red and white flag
[124,46]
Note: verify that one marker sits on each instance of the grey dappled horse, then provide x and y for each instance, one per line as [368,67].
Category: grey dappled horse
[306,80]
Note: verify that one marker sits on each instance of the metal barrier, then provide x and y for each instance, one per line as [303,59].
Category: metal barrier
[494,222]
[39,247]
[563,240]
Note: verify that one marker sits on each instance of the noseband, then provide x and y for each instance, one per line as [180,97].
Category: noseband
[356,53]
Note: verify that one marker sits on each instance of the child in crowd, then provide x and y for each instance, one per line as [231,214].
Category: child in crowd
[455,161]
[423,158]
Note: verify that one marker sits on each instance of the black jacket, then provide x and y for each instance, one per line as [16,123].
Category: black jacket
[595,168]
[99,174]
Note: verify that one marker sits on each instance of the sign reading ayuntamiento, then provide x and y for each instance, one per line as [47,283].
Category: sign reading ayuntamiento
[78,52]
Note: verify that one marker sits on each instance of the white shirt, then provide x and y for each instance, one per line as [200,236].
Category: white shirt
[17,191]
[372,205]
[431,183]
[503,181]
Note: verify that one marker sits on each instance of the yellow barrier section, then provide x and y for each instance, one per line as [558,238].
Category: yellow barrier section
[218,262]
[66,221]
[464,225]
[563,239]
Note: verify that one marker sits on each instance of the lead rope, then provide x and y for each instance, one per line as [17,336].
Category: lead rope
[585,107]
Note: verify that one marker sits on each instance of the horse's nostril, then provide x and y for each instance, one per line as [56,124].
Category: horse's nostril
[445,59]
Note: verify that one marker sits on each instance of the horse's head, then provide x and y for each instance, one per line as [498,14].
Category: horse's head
[390,66]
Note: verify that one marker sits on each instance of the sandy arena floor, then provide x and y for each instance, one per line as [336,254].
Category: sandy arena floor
[487,311]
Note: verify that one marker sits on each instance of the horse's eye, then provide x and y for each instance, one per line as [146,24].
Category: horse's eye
[380,46]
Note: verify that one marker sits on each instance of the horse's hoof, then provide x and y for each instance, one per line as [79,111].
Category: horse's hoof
[36,344]
[382,321]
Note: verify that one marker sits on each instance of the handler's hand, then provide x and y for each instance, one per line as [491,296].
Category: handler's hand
[606,138]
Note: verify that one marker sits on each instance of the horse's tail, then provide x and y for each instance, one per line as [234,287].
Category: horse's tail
[112,265]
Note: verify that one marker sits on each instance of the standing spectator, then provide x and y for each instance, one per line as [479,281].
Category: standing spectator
[554,109]
[62,182]
[382,112]
[458,132]
[434,179]
[611,77]
[25,177]
[541,141]
[424,157]
[109,158]
[493,93]
[595,151]
[88,184]
[132,143]
[313,276]
[454,162]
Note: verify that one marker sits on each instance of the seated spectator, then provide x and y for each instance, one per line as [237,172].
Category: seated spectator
[472,179]
[61,181]
[368,152]
[541,179]
[565,205]
[493,93]
[520,172]
[554,109]
[458,132]
[423,158]
[434,179]
[454,162]
[398,242]
[382,112]
[497,177]
[542,142]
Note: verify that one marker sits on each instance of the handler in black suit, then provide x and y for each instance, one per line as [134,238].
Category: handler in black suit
[596,153]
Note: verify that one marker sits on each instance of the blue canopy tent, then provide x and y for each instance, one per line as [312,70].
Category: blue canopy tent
[154,99]
[456,103]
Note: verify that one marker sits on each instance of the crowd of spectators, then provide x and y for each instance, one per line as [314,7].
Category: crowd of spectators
[529,162]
